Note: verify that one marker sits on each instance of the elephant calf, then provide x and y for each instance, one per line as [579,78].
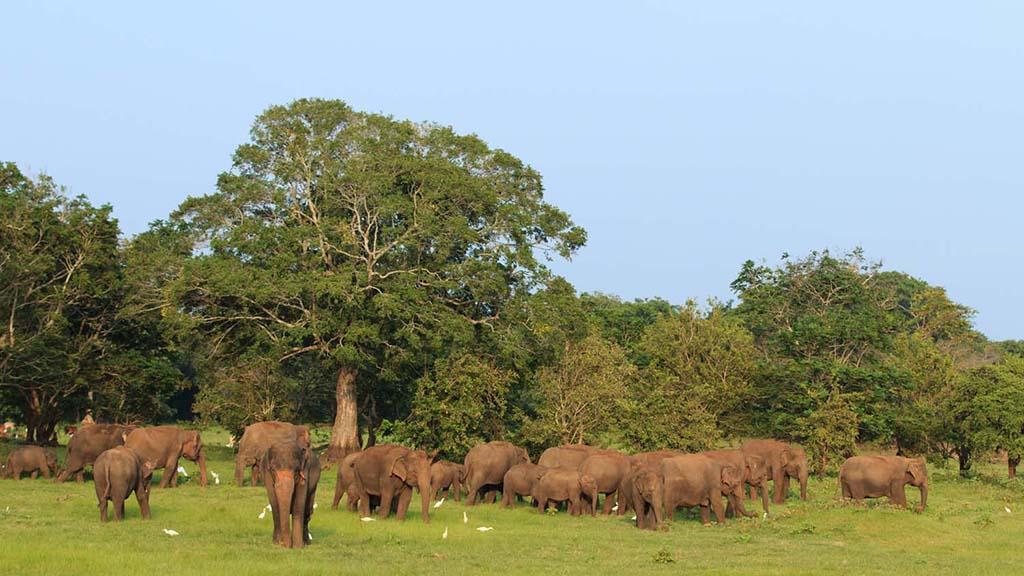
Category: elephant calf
[562,484]
[119,472]
[446,476]
[646,488]
[31,459]
[520,480]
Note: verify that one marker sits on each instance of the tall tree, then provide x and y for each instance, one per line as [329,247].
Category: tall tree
[368,242]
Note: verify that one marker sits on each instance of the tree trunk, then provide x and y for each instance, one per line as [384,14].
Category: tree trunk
[964,456]
[1011,465]
[371,424]
[345,433]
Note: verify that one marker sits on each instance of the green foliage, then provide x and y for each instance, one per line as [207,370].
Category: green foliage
[459,404]
[61,289]
[696,381]
[829,433]
[986,404]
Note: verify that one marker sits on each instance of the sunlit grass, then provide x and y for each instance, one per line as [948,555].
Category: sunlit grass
[55,529]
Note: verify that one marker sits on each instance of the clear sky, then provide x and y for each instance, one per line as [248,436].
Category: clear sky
[685,137]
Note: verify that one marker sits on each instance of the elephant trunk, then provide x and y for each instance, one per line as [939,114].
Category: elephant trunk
[659,505]
[924,495]
[202,466]
[424,485]
[764,494]
[803,483]
[284,489]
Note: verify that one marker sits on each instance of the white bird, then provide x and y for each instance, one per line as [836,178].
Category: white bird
[485,529]
[465,519]
[170,532]
[1007,508]
[444,534]
[181,470]
[263,514]
[616,507]
[765,515]
[314,505]
[367,519]
[310,537]
[438,503]
[634,516]
[216,477]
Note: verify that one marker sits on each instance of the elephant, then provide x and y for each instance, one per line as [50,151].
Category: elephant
[876,476]
[520,481]
[389,471]
[755,474]
[697,480]
[608,468]
[346,483]
[118,472]
[446,476]
[88,443]
[566,456]
[291,473]
[561,484]
[784,462]
[646,487]
[255,441]
[164,445]
[485,467]
[32,459]
[653,459]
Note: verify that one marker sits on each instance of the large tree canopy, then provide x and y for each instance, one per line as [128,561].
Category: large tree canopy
[366,241]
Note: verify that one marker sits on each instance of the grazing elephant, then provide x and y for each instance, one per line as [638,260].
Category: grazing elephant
[346,483]
[486,465]
[608,468]
[876,476]
[784,462]
[653,459]
[646,486]
[390,471]
[118,472]
[446,476]
[164,445]
[564,484]
[291,473]
[566,456]
[520,480]
[88,443]
[255,441]
[755,474]
[32,459]
[696,480]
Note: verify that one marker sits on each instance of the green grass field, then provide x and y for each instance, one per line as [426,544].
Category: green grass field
[47,528]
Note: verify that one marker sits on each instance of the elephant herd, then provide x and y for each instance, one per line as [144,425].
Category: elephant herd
[653,485]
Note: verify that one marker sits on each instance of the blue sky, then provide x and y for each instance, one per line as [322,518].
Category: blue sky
[685,137]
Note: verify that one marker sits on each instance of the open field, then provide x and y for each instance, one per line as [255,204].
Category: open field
[54,529]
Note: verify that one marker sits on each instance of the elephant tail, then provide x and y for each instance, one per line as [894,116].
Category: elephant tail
[106,486]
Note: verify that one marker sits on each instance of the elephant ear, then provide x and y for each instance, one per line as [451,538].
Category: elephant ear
[917,471]
[731,476]
[400,468]
[785,457]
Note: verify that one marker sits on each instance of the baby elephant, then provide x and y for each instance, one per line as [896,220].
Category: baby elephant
[31,459]
[446,477]
[560,484]
[118,472]
[519,481]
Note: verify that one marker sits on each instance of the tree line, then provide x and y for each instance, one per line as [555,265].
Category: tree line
[386,277]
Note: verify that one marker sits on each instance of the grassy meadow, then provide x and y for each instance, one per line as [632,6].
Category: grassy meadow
[47,528]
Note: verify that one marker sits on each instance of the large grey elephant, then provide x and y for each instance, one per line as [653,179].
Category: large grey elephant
[696,480]
[88,443]
[608,468]
[876,476]
[485,467]
[255,441]
[566,456]
[390,472]
[164,445]
[291,473]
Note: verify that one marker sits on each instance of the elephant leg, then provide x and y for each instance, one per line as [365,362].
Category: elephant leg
[103,510]
[353,498]
[457,487]
[898,494]
[239,471]
[846,490]
[119,506]
[364,503]
[492,496]
[403,502]
[386,497]
[778,496]
[542,503]
[785,486]
[507,500]
[705,514]
[719,509]
[34,475]
[80,477]
[609,501]
[339,490]
[46,472]
[472,489]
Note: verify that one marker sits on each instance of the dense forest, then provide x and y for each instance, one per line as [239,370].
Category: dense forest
[385,278]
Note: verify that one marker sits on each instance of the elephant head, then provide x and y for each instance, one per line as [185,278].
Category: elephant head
[285,469]
[413,469]
[192,449]
[521,457]
[917,475]
[588,488]
[732,479]
[794,463]
[648,486]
